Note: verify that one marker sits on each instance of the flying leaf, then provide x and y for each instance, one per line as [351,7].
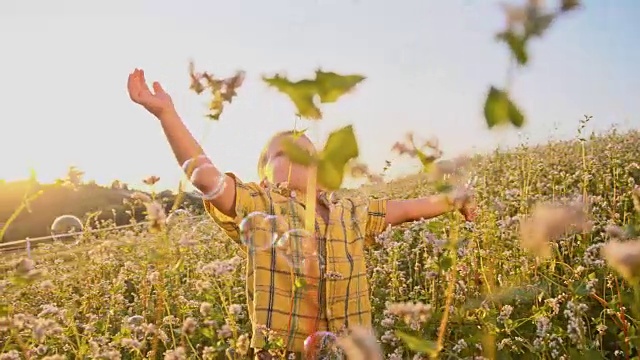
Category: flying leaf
[426,160]
[297,153]
[328,86]
[496,108]
[500,110]
[332,86]
[301,93]
[537,25]
[517,45]
[222,90]
[418,345]
[515,115]
[340,148]
[298,133]
[568,5]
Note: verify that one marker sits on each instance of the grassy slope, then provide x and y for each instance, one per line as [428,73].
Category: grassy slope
[57,200]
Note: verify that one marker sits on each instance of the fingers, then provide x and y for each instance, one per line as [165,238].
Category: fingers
[157,88]
[131,85]
[142,82]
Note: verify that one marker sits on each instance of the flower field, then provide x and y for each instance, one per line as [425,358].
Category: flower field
[528,280]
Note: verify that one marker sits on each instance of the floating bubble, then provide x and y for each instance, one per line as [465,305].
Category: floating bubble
[64,225]
[260,231]
[209,181]
[193,163]
[298,246]
[322,345]
[177,216]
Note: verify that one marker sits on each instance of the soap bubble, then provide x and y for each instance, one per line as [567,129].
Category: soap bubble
[301,250]
[64,225]
[259,231]
[177,216]
[204,177]
[298,246]
[322,345]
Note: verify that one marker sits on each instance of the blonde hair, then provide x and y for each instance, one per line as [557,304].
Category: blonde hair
[262,160]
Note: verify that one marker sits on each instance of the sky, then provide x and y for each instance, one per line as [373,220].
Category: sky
[64,67]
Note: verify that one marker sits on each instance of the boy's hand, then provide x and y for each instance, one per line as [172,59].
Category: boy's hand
[468,210]
[157,102]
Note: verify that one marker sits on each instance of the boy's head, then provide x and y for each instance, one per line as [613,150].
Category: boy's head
[275,166]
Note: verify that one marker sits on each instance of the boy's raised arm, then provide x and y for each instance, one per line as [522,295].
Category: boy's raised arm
[184,145]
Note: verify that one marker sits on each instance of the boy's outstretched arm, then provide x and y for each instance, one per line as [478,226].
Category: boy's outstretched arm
[401,211]
[184,145]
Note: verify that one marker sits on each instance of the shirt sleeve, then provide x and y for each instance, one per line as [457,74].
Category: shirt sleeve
[376,224]
[249,198]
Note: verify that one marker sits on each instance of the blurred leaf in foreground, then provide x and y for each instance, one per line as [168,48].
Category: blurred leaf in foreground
[222,90]
[340,148]
[327,86]
[424,346]
[500,110]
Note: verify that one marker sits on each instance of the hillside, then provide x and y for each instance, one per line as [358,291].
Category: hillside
[496,167]
[108,204]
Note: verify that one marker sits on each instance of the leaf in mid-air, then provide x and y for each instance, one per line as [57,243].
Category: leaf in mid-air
[297,153]
[299,133]
[332,86]
[340,148]
[537,25]
[517,44]
[222,90]
[515,115]
[301,93]
[500,110]
[327,86]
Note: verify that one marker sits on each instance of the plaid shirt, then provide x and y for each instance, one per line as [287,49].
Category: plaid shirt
[333,297]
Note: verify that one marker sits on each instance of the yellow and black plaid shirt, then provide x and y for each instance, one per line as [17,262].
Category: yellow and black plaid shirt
[273,298]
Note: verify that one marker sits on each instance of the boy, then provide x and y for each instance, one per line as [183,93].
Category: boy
[339,288]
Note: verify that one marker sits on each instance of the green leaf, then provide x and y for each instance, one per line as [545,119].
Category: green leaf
[296,153]
[445,263]
[301,93]
[332,86]
[341,147]
[539,24]
[328,86]
[568,5]
[418,345]
[581,289]
[500,110]
[426,160]
[496,108]
[517,45]
[298,133]
[515,115]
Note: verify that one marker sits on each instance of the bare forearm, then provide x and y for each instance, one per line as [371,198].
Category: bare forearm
[400,211]
[183,144]
[185,147]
